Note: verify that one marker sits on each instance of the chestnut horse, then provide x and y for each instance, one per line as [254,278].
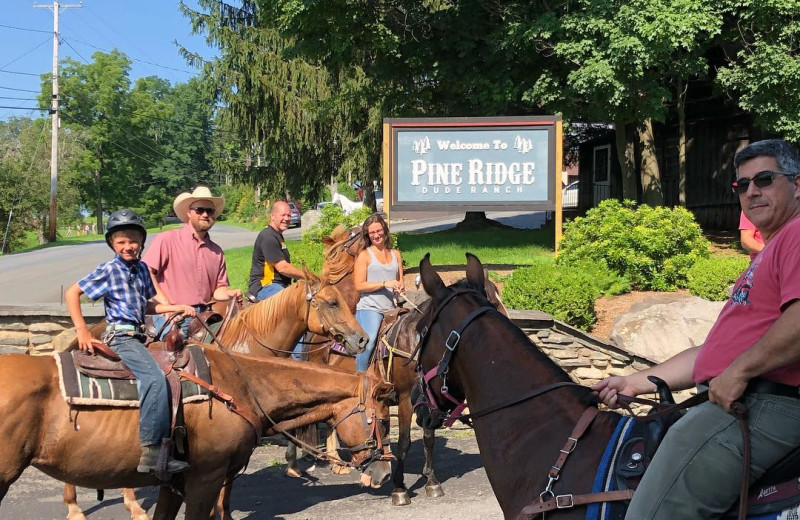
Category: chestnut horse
[340,253]
[276,323]
[99,447]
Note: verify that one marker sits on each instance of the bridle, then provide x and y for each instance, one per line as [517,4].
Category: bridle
[374,428]
[311,302]
[367,407]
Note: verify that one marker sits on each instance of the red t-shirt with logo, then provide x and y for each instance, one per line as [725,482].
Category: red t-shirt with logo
[760,295]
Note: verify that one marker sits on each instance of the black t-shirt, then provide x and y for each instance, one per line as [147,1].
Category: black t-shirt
[269,248]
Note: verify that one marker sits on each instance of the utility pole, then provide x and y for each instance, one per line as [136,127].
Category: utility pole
[51,236]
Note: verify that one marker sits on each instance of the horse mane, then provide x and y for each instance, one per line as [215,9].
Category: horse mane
[265,315]
[337,262]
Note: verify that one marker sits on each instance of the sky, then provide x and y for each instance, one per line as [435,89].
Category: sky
[144,30]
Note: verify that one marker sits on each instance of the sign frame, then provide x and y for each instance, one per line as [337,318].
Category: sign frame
[393,126]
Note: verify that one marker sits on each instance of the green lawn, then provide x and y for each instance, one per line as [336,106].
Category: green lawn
[495,246]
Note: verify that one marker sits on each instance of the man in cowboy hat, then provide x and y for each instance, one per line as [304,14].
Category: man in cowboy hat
[185,262]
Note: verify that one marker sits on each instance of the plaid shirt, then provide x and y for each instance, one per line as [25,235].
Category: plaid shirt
[125,289]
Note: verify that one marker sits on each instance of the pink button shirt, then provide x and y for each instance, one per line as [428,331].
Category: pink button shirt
[760,295]
[188,269]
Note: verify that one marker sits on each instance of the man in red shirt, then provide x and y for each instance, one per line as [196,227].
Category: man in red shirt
[187,265]
[752,355]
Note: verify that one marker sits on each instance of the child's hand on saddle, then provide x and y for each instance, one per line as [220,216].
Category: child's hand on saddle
[85,340]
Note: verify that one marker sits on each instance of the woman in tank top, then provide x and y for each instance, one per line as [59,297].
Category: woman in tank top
[378,274]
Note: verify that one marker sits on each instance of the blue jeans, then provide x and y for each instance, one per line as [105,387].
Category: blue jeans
[300,351]
[154,416]
[370,321]
[697,470]
[269,290]
[160,319]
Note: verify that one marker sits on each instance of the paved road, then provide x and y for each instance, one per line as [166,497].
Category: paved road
[41,276]
[264,492]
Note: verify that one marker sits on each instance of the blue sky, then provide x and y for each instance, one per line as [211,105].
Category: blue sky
[144,30]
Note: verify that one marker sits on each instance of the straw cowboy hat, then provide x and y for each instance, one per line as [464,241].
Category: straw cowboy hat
[185,199]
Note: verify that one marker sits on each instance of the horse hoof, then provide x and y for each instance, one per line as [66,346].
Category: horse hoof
[434,491]
[293,472]
[337,469]
[400,498]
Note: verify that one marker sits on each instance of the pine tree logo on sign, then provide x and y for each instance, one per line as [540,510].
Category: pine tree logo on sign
[523,146]
[422,146]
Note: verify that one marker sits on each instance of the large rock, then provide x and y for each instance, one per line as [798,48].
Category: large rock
[310,218]
[660,326]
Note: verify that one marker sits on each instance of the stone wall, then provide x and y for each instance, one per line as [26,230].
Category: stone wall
[40,329]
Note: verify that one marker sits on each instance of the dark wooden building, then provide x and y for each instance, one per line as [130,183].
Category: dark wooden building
[715,131]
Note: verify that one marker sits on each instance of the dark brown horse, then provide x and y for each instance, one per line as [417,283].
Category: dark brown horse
[492,363]
[273,327]
[99,447]
[340,253]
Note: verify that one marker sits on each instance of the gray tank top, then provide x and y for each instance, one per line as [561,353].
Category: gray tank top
[382,299]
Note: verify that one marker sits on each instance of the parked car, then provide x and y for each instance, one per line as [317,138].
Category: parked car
[379,200]
[319,205]
[569,197]
[294,214]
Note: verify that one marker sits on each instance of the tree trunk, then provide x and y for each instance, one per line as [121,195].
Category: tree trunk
[652,190]
[681,108]
[625,156]
[476,220]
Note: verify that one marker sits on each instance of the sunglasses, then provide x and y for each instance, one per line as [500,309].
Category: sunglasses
[761,180]
[208,211]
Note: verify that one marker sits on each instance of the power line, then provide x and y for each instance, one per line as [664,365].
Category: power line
[19,98]
[24,29]
[76,52]
[24,108]
[20,73]
[131,57]
[30,51]
[20,89]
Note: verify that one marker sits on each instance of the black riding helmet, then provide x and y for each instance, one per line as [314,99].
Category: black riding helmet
[125,219]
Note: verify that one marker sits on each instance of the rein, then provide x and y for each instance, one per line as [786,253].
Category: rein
[246,414]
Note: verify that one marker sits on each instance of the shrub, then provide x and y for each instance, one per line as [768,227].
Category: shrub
[332,216]
[652,247]
[710,278]
[566,293]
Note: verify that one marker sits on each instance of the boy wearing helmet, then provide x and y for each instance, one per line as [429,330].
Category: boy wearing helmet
[125,285]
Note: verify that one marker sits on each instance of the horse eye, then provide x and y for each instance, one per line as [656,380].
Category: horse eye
[332,303]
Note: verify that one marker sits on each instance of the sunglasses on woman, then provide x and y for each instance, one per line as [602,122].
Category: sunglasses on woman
[761,180]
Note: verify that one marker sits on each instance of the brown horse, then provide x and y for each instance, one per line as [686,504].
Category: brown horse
[493,362]
[270,326]
[99,447]
[340,253]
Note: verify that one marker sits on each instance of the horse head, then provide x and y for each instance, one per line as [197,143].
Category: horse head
[363,423]
[329,315]
[341,250]
[452,309]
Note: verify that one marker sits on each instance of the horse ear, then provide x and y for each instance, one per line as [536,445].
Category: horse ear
[431,281]
[475,275]
[310,277]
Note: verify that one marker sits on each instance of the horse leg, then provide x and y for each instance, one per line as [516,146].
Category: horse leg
[70,497]
[292,470]
[400,493]
[433,488]
[224,501]
[168,505]
[201,497]
[330,447]
[132,505]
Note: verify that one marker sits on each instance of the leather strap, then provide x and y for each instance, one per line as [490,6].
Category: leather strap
[572,441]
[253,419]
[567,501]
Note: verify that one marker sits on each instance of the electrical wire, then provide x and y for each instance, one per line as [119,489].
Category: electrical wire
[25,29]
[30,51]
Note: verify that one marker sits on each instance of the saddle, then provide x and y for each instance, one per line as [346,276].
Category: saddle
[387,331]
[217,318]
[776,490]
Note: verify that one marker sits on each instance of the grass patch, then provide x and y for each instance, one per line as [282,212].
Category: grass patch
[496,246]
[31,242]
[492,246]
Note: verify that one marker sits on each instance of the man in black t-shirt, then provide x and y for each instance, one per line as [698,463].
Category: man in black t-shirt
[271,270]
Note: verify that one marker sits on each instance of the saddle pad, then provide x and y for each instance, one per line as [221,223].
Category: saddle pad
[79,389]
[605,481]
